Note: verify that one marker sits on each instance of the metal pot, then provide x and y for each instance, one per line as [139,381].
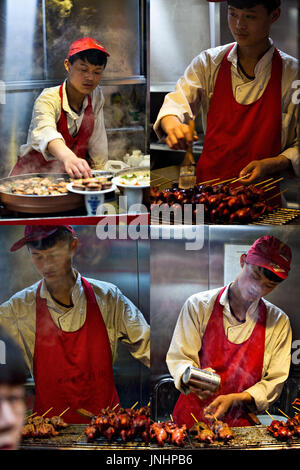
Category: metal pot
[40,204]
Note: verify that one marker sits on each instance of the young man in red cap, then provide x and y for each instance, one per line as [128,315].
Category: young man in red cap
[244,93]
[67,132]
[69,327]
[238,334]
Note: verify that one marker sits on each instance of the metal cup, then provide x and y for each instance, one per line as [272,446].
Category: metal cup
[201,379]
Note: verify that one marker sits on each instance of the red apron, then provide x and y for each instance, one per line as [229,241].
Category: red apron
[34,161]
[73,369]
[239,365]
[238,134]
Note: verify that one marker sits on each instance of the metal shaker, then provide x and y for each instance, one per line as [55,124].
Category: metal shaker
[201,379]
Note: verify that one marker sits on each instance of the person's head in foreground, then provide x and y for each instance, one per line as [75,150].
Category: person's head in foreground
[13,374]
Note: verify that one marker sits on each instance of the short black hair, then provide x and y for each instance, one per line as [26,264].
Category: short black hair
[93,56]
[270,5]
[61,234]
[13,369]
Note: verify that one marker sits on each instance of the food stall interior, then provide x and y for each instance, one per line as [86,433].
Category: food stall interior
[196,26]
[47,28]
[124,263]
[178,272]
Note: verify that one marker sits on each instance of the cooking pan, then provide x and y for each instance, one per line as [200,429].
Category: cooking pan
[33,204]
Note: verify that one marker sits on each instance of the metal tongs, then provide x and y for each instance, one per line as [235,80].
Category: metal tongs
[187,171]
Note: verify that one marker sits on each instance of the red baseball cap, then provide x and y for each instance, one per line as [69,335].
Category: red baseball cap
[271,253]
[33,233]
[84,44]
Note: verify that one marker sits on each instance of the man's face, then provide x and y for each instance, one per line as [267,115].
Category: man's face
[54,263]
[250,27]
[12,409]
[83,76]
[252,283]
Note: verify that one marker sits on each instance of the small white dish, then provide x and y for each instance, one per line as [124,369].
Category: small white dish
[93,199]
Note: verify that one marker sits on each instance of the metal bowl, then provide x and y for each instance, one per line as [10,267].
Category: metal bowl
[33,204]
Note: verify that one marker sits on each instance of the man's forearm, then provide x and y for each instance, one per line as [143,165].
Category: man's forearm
[59,150]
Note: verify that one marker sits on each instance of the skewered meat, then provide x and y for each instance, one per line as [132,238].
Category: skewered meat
[58,422]
[223,203]
[168,432]
[222,431]
[160,434]
[124,423]
[208,433]
[39,426]
[284,431]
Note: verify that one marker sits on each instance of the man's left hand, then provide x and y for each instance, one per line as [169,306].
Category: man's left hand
[257,170]
[220,405]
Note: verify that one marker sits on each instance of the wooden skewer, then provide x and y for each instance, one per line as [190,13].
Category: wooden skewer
[29,416]
[148,403]
[241,178]
[273,182]
[298,409]
[275,195]
[209,181]
[134,405]
[269,415]
[115,406]
[263,182]
[269,189]
[64,412]
[171,418]
[224,181]
[282,412]
[194,418]
[47,411]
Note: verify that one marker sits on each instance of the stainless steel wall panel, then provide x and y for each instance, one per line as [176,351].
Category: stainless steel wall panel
[114,23]
[179,30]
[176,273]
[21,40]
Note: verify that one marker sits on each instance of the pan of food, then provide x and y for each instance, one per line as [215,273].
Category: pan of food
[38,193]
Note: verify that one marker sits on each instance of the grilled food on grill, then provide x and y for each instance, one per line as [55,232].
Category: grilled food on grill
[284,431]
[209,433]
[38,426]
[168,432]
[124,423]
[223,203]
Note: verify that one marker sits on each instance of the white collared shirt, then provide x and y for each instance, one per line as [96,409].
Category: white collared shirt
[122,318]
[195,88]
[190,328]
[46,114]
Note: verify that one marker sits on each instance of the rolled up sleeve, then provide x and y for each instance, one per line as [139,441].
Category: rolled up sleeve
[276,369]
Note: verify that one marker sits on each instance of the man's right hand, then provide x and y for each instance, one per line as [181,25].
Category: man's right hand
[74,166]
[77,167]
[178,135]
[201,393]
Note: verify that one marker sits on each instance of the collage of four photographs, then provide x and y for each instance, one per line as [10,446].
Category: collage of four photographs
[149,228]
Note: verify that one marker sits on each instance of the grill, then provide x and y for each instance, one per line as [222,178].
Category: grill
[252,437]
